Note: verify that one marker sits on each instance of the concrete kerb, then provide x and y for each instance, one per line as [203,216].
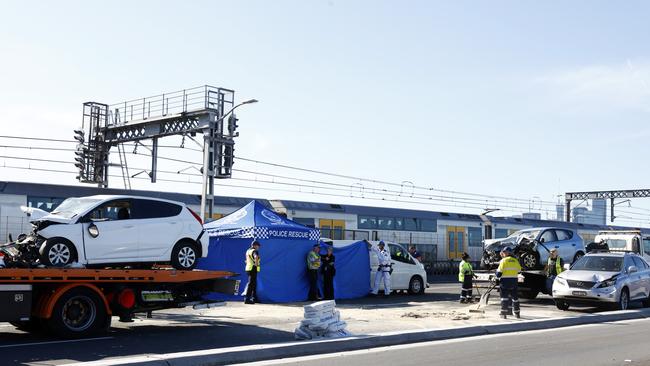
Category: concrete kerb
[297,349]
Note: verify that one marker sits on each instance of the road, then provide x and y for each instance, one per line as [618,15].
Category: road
[184,330]
[617,343]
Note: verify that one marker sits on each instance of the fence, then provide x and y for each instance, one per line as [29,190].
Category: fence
[14,226]
[445,267]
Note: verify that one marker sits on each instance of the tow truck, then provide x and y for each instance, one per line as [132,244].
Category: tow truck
[530,283]
[79,302]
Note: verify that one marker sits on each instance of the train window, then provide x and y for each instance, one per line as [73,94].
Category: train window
[399,223]
[386,223]
[428,225]
[367,222]
[410,224]
[474,237]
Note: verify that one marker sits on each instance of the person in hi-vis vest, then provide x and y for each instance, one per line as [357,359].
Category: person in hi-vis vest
[252,269]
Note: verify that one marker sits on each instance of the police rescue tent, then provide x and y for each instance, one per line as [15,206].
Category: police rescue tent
[283,252]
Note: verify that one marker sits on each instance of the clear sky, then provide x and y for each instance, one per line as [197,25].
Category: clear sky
[512,98]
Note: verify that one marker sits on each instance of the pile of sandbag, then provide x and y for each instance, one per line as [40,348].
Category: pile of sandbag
[322,320]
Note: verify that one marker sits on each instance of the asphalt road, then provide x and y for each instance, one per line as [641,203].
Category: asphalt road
[617,343]
[180,331]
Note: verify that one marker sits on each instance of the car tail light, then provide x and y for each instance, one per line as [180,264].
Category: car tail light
[197,217]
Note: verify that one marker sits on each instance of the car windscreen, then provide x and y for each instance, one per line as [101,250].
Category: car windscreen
[598,263]
[72,207]
[528,234]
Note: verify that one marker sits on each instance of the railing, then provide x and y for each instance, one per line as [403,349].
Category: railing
[14,226]
[162,105]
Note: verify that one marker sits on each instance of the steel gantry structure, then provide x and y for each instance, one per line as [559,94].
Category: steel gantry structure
[611,195]
[186,112]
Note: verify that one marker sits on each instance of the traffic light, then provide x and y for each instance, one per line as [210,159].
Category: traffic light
[228,157]
[232,125]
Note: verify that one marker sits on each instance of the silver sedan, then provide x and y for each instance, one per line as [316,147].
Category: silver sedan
[604,279]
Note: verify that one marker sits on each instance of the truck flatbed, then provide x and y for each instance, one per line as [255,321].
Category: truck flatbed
[83,275]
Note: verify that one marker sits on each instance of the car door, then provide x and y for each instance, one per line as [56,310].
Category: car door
[642,276]
[565,245]
[159,227]
[548,240]
[398,278]
[632,278]
[116,238]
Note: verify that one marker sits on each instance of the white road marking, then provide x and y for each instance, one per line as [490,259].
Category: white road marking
[54,342]
[411,345]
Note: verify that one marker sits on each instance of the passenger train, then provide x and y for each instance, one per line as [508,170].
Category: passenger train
[438,236]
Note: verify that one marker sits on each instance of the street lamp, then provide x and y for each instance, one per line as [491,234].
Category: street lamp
[206,154]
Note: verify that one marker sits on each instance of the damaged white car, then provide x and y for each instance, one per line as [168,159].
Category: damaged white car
[111,230]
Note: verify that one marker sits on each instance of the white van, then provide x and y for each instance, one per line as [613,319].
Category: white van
[408,274]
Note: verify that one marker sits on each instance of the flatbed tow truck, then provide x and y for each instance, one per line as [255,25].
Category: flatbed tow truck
[81,302]
[530,282]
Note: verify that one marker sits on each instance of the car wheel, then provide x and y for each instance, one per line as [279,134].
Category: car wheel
[185,256]
[578,256]
[623,300]
[58,253]
[528,260]
[416,286]
[78,312]
[562,305]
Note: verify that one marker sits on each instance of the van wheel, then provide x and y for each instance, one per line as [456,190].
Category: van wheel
[185,256]
[416,286]
[58,252]
[79,312]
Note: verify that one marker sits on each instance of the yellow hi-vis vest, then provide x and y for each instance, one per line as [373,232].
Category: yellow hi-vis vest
[558,265]
[313,260]
[509,267]
[465,268]
[252,261]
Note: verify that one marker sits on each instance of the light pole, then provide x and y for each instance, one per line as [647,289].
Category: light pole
[207,161]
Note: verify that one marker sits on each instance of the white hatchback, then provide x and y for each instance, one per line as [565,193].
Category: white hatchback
[120,230]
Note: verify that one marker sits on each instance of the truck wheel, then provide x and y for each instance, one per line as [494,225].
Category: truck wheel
[528,260]
[416,286]
[58,253]
[79,312]
[562,305]
[185,256]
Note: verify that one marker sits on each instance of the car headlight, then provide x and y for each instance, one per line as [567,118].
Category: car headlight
[607,283]
[561,281]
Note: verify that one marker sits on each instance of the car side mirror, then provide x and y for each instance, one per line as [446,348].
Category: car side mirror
[93,230]
[632,269]
[567,267]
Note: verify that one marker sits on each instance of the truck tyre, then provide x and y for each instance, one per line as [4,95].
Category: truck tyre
[416,286]
[528,260]
[562,305]
[79,312]
[185,255]
[58,252]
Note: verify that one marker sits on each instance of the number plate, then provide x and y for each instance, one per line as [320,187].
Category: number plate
[579,293]
[483,276]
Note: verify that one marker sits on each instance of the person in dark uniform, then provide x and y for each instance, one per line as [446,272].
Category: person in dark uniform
[329,270]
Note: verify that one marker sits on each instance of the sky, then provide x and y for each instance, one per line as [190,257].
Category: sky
[520,99]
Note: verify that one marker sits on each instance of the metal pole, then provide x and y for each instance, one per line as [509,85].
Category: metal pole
[612,209]
[206,162]
[567,214]
[154,159]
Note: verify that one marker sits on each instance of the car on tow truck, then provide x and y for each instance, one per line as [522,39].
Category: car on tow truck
[532,247]
[611,279]
[108,230]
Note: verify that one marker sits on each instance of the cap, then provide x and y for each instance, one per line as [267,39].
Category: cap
[506,250]
[381,242]
[553,250]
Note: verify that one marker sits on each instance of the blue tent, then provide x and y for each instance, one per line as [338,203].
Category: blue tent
[283,252]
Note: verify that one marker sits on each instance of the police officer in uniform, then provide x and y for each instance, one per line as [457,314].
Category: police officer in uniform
[507,274]
[313,266]
[384,269]
[329,270]
[252,269]
[465,276]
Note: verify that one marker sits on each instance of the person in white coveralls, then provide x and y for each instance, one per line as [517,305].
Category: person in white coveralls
[384,269]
